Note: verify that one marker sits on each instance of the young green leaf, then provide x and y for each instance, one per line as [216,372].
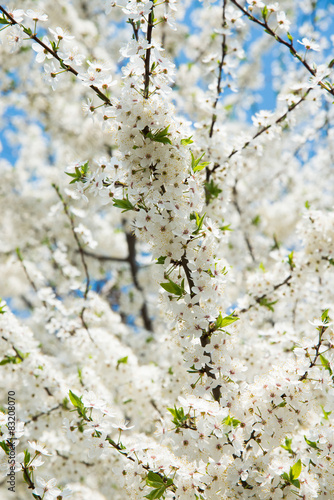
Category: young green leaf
[289,37]
[287,445]
[199,223]
[122,361]
[160,135]
[290,261]
[185,142]
[231,421]
[312,444]
[18,358]
[195,163]
[256,220]
[296,469]
[75,400]
[179,417]
[2,307]
[226,228]
[269,305]
[227,320]
[173,288]
[324,317]
[5,447]
[80,173]
[26,457]
[158,483]
[125,204]
[325,363]
[326,414]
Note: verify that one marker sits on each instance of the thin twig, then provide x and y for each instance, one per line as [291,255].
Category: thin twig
[68,68]
[148,55]
[237,206]
[262,130]
[75,235]
[131,259]
[220,70]
[82,256]
[289,44]
[259,299]
[317,348]
[104,258]
[36,417]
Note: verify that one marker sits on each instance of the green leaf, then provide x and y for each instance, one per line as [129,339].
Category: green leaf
[125,204]
[195,163]
[63,65]
[75,400]
[18,358]
[122,361]
[179,417]
[281,405]
[154,479]
[295,470]
[331,64]
[80,173]
[156,493]
[185,142]
[158,483]
[295,482]
[211,191]
[264,12]
[289,37]
[3,20]
[290,261]
[26,457]
[199,222]
[287,446]
[173,288]
[160,135]
[226,228]
[5,447]
[256,220]
[326,414]
[294,473]
[65,403]
[161,260]
[8,359]
[307,204]
[231,421]
[269,305]
[227,320]
[325,363]
[324,316]
[313,444]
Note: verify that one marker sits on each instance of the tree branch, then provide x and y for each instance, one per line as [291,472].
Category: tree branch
[289,44]
[69,68]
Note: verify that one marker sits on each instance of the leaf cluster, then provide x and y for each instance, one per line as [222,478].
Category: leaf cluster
[80,173]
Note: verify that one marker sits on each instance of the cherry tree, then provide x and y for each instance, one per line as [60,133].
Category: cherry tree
[167,250]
